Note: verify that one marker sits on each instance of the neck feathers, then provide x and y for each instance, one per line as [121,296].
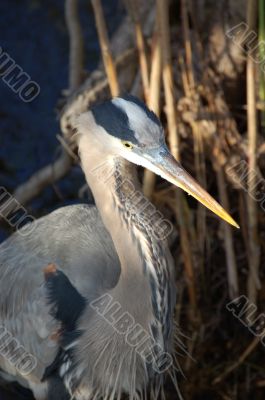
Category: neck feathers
[138,231]
[141,218]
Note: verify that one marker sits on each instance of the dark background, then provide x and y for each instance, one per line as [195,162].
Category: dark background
[34,34]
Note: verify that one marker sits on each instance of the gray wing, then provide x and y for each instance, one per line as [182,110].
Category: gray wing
[75,239]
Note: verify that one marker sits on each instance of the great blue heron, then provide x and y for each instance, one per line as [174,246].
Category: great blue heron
[102,323]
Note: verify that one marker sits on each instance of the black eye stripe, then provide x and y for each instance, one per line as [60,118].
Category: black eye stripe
[114,120]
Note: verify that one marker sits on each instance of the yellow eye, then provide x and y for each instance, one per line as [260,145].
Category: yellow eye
[128,145]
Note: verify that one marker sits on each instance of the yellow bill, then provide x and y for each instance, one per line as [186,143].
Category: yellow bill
[162,163]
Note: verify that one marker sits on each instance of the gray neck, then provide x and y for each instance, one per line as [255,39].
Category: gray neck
[145,261]
[113,182]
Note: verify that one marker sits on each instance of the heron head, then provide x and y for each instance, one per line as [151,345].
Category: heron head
[125,127]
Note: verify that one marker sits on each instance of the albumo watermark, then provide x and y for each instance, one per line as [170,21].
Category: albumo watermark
[134,334]
[18,80]
[246,40]
[15,214]
[240,173]
[244,311]
[15,353]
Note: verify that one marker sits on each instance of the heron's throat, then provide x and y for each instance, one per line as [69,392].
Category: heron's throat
[136,227]
[118,197]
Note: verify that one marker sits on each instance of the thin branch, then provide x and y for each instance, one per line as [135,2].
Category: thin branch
[76,61]
[44,177]
[240,361]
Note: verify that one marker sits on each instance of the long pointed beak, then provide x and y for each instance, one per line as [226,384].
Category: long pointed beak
[162,163]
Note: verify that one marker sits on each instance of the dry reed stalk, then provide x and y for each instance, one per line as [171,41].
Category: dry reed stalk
[232,276]
[184,77]
[254,250]
[231,266]
[154,104]
[200,168]
[142,59]
[132,7]
[187,43]
[109,65]
[155,77]
[243,219]
[167,73]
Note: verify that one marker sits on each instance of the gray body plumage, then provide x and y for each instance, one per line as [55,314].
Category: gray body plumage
[107,250]
[94,269]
